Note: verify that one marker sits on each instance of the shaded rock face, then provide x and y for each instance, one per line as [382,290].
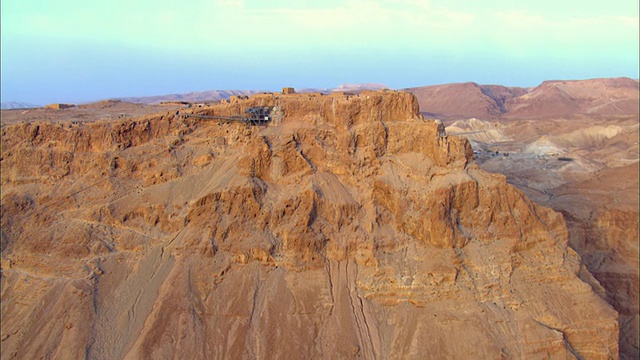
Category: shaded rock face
[607,240]
[622,277]
[350,229]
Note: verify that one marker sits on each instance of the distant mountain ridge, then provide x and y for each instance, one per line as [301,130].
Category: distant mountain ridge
[594,97]
[465,100]
[8,105]
[197,96]
[217,95]
[604,97]
[352,88]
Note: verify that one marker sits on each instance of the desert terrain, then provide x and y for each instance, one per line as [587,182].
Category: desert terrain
[571,146]
[345,228]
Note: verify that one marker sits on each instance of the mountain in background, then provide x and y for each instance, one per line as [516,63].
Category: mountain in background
[465,100]
[558,98]
[594,97]
[350,88]
[552,99]
[197,96]
[7,105]
[606,97]
[217,95]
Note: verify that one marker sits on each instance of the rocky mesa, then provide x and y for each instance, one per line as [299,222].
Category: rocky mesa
[345,228]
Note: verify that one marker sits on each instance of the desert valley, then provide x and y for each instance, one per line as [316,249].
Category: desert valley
[346,225]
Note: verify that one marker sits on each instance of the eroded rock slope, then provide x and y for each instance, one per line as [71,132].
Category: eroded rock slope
[346,228]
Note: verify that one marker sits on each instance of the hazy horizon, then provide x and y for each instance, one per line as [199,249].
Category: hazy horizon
[72,51]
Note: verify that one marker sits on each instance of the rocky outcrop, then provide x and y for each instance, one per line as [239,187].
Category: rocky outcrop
[347,229]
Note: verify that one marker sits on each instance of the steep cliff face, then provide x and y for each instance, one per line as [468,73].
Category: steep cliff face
[606,234]
[347,228]
[587,170]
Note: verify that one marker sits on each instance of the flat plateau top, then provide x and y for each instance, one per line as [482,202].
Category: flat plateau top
[105,110]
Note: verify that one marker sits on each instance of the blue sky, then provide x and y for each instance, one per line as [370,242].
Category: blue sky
[78,51]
